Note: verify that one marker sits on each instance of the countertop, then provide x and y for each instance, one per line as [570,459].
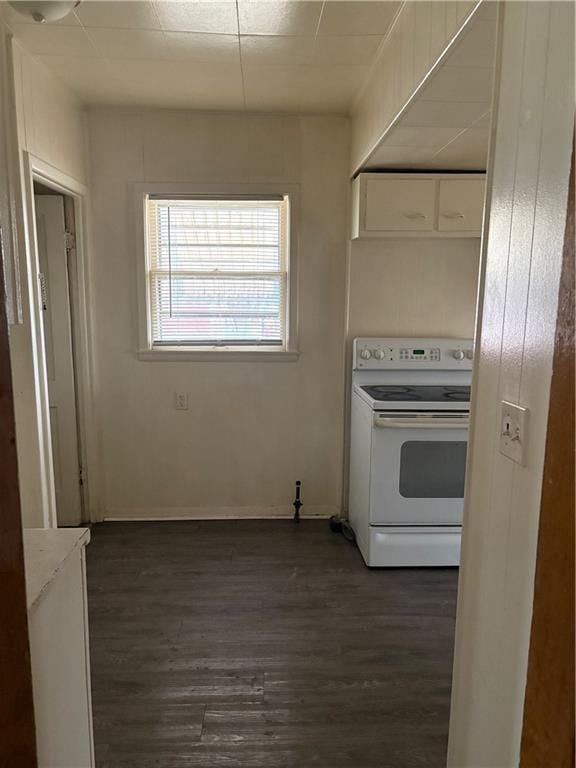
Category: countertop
[45,552]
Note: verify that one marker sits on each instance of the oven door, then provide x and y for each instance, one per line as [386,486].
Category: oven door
[418,467]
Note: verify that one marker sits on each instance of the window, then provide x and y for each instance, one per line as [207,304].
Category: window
[217,272]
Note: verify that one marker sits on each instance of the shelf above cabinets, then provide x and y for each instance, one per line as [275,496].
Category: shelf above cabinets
[417,205]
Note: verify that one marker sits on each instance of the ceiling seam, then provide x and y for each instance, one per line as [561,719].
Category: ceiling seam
[103,58]
[461,133]
[88,36]
[240,56]
[316,33]
[379,51]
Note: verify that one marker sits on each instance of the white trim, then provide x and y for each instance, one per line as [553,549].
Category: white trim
[46,471]
[9,225]
[144,349]
[38,170]
[87,669]
[216,355]
[218,513]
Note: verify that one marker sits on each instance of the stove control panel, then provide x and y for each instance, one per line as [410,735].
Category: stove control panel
[420,355]
[406,353]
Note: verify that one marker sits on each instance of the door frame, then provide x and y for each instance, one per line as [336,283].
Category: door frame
[548,722]
[16,699]
[36,170]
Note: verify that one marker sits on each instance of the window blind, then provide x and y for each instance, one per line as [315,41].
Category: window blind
[217,271]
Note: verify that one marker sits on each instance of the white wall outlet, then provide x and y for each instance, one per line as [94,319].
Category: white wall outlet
[514,431]
[180,401]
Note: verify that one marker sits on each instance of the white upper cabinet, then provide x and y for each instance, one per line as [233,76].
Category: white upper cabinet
[460,205]
[403,205]
[417,205]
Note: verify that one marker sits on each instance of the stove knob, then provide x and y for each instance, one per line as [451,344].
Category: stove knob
[458,354]
[470,354]
[379,355]
[365,354]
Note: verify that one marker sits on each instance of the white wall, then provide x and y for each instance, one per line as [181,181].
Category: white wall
[51,125]
[531,163]
[252,428]
[51,119]
[413,287]
[421,32]
[409,287]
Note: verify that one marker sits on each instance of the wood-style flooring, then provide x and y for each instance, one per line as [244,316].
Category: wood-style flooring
[264,644]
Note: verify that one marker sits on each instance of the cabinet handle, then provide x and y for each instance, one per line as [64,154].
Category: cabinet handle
[455,215]
[414,215]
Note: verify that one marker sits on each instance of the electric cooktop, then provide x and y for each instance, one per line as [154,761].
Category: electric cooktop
[385,393]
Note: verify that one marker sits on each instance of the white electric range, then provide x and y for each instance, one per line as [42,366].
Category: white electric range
[409,434]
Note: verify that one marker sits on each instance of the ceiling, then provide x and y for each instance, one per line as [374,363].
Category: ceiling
[260,55]
[447,123]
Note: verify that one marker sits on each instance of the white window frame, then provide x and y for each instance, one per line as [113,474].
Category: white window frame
[146,350]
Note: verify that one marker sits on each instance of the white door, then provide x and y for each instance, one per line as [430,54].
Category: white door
[399,205]
[51,233]
[418,468]
[461,205]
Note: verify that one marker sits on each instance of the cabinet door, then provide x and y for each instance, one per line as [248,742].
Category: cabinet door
[399,205]
[61,669]
[461,204]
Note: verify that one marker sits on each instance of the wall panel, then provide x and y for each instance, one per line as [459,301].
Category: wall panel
[51,124]
[522,261]
[252,429]
[419,35]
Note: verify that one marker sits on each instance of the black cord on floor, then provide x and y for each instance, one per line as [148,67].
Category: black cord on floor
[337,525]
[347,532]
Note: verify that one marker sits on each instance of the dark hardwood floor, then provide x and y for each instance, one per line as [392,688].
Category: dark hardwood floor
[262,644]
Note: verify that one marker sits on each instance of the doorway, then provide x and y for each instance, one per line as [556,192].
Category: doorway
[56,242]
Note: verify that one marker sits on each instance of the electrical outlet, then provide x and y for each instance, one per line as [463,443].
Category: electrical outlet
[180,401]
[514,431]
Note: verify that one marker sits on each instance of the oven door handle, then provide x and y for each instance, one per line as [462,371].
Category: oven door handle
[459,422]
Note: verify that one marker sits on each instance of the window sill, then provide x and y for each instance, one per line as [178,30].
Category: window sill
[217,355]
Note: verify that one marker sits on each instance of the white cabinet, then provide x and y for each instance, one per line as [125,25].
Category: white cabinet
[403,205]
[417,205]
[59,650]
[460,205]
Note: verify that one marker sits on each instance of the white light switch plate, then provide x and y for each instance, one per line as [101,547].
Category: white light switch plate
[180,401]
[514,431]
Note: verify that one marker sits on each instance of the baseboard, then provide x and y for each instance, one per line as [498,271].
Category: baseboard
[217,513]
